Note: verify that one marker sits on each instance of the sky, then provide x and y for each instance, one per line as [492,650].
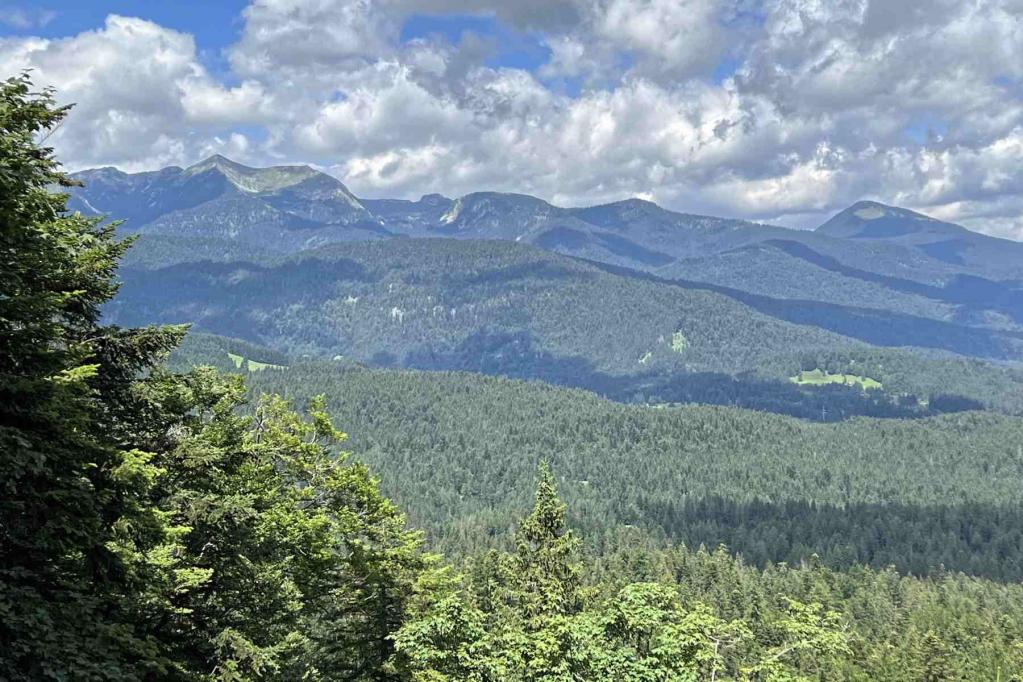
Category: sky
[781,111]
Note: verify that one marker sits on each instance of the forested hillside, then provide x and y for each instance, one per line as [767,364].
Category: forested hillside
[915,269]
[915,376]
[446,304]
[161,521]
[669,308]
[458,452]
[507,309]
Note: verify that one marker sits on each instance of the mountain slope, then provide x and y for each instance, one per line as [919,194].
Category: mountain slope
[291,208]
[510,309]
[869,257]
[945,242]
[282,208]
[463,304]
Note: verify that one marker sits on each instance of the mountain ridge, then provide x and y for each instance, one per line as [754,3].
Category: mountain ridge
[489,214]
[918,267]
[233,168]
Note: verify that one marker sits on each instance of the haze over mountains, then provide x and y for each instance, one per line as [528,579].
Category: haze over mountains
[292,208]
[288,258]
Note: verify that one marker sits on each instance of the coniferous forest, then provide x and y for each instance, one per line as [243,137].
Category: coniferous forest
[170,513]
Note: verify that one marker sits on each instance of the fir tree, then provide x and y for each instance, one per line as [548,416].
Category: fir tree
[545,562]
[69,473]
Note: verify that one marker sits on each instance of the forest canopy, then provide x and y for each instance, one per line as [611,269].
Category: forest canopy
[179,525]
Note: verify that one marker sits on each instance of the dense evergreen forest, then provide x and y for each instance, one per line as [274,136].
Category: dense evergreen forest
[445,303]
[457,451]
[907,385]
[505,309]
[163,525]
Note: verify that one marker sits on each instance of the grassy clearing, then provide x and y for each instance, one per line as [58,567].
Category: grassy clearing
[819,377]
[251,365]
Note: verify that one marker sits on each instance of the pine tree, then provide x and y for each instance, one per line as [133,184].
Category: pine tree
[935,659]
[148,529]
[284,561]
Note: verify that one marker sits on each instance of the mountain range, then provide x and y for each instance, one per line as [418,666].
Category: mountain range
[289,258]
[293,208]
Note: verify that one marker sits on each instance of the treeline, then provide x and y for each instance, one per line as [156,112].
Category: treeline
[511,355]
[546,611]
[978,539]
[913,375]
[945,627]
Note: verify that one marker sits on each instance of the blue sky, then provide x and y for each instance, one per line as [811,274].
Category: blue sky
[217,25]
[776,110]
[214,24]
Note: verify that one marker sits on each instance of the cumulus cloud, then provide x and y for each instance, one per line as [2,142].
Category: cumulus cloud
[768,109]
[671,38]
[141,98]
[400,114]
[291,37]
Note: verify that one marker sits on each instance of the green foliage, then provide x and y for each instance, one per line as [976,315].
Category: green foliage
[251,365]
[544,552]
[458,450]
[286,560]
[160,527]
[148,529]
[228,355]
[912,376]
[70,472]
[526,617]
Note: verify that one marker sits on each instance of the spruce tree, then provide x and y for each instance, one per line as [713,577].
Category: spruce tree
[68,472]
[546,564]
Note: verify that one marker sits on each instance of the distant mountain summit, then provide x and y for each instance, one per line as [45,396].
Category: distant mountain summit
[946,242]
[279,208]
[284,209]
[281,243]
[873,220]
[254,180]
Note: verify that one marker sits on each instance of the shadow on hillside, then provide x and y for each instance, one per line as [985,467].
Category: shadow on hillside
[876,327]
[514,355]
[975,294]
[979,539]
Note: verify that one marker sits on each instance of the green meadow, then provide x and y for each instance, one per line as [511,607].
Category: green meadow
[251,365]
[819,377]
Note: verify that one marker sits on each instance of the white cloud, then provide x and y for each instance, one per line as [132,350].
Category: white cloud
[292,38]
[672,38]
[830,101]
[134,85]
[400,114]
